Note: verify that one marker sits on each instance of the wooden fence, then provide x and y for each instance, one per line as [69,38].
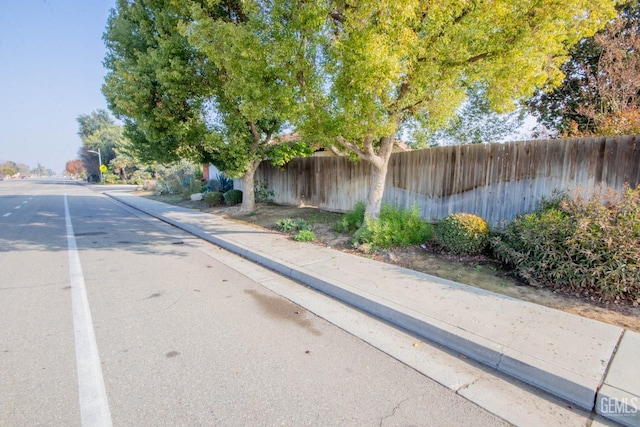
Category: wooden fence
[496,181]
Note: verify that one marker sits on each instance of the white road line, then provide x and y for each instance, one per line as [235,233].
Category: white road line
[7,214]
[94,406]
[18,207]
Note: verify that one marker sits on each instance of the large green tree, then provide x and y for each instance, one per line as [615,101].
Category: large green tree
[380,65]
[474,123]
[195,79]
[217,80]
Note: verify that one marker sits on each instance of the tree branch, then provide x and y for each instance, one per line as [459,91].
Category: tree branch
[255,134]
[349,146]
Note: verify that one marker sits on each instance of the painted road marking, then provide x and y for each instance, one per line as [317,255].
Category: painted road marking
[7,214]
[94,406]
[18,207]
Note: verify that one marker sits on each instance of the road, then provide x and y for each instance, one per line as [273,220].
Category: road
[111,317]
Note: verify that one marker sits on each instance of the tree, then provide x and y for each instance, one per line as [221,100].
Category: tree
[41,171]
[97,131]
[600,94]
[367,69]
[474,123]
[9,168]
[74,167]
[195,80]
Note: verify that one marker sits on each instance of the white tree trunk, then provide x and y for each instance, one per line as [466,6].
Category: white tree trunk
[248,189]
[376,191]
[378,177]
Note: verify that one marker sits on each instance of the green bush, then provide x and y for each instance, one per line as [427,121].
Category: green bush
[176,179]
[534,245]
[583,245]
[262,192]
[111,178]
[222,184]
[304,236]
[351,220]
[191,186]
[289,225]
[463,233]
[215,198]
[166,188]
[233,197]
[394,227]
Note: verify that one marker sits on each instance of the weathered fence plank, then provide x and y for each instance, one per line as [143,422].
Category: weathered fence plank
[495,181]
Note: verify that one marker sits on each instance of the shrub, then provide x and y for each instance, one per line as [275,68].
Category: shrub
[176,179]
[233,197]
[533,245]
[584,245]
[463,233]
[288,225]
[214,198]
[262,193]
[111,178]
[191,186]
[164,188]
[222,184]
[304,236]
[140,177]
[394,227]
[351,220]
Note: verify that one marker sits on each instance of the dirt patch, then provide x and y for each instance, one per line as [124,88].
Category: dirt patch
[478,271]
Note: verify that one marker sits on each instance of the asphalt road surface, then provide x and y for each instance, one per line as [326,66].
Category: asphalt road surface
[109,317]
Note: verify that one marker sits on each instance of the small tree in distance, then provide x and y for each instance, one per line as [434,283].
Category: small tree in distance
[74,167]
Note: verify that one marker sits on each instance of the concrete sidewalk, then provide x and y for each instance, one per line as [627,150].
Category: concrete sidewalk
[589,363]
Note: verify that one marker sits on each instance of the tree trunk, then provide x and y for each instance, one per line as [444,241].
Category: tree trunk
[378,177]
[248,189]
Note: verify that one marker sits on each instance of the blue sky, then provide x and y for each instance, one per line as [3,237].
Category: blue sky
[51,54]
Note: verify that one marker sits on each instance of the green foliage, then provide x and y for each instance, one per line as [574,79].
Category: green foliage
[373,68]
[167,188]
[582,245]
[139,177]
[99,132]
[201,80]
[351,220]
[194,79]
[395,227]
[221,184]
[262,192]
[288,225]
[177,178]
[191,185]
[281,154]
[463,233]
[302,229]
[304,236]
[233,197]
[111,178]
[475,123]
[214,198]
